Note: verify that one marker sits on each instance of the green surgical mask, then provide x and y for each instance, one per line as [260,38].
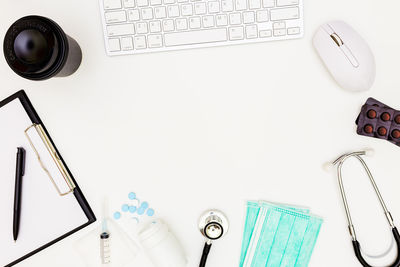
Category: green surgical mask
[278,235]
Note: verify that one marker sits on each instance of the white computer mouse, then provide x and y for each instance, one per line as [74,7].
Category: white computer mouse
[346,55]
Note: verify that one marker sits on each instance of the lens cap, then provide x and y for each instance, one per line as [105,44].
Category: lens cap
[35,48]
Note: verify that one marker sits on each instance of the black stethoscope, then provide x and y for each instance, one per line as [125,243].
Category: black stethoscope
[356,245]
[213,225]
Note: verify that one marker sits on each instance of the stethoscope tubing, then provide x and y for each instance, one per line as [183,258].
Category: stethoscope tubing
[356,245]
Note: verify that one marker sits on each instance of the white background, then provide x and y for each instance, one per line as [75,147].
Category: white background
[212,128]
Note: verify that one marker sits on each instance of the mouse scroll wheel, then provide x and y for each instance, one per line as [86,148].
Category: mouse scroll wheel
[337,39]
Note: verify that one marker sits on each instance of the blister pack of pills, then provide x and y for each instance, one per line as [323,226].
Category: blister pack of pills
[379,121]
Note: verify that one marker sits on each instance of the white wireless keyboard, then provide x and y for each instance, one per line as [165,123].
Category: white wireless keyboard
[143,26]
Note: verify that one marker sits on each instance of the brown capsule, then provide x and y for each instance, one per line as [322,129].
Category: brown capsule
[396,134]
[397,119]
[368,128]
[385,116]
[382,131]
[371,114]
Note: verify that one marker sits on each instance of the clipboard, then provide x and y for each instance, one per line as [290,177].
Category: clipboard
[62,210]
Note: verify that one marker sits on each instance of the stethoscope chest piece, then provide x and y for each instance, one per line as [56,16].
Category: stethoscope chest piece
[213,225]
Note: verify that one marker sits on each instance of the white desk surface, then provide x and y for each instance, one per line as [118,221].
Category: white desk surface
[211,128]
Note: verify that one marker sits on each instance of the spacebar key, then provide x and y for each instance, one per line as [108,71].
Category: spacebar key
[195,37]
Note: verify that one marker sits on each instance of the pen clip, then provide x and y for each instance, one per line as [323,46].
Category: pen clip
[21,152]
[53,153]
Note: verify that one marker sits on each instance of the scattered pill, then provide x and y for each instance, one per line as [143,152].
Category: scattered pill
[150,212]
[125,207]
[141,211]
[132,196]
[117,215]
[144,205]
[132,209]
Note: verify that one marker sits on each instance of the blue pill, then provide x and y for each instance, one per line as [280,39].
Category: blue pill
[144,205]
[141,211]
[117,215]
[150,212]
[125,207]
[132,196]
[132,209]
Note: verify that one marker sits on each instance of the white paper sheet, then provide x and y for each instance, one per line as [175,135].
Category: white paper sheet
[45,215]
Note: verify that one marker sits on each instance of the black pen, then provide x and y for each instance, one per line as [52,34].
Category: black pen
[19,173]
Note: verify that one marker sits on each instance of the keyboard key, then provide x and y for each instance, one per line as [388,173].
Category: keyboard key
[195,22]
[183,1]
[235,19]
[126,43]
[287,2]
[280,32]
[187,10]
[292,31]
[173,11]
[279,25]
[251,31]
[248,17]
[112,4]
[141,27]
[155,2]
[147,13]
[213,7]
[222,20]
[200,8]
[227,5]
[285,13]
[268,3]
[208,21]
[169,1]
[195,37]
[241,4]
[236,33]
[155,26]
[123,29]
[133,14]
[113,45]
[114,17]
[154,40]
[160,12]
[255,4]
[142,3]
[265,33]
[140,42]
[129,3]
[262,15]
[181,24]
[168,25]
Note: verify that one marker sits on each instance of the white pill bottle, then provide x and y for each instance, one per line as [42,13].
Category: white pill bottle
[162,247]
